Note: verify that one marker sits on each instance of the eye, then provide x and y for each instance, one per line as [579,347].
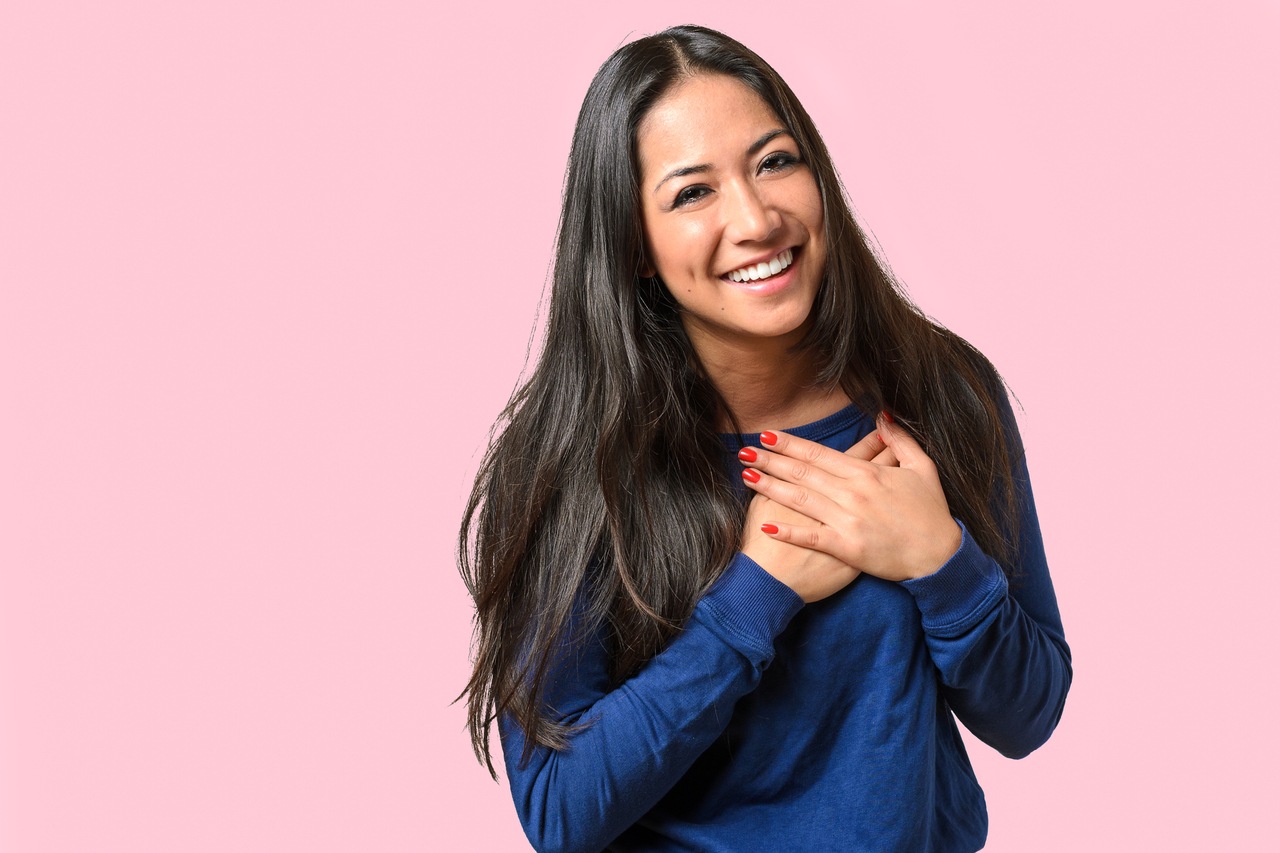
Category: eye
[779,161]
[688,195]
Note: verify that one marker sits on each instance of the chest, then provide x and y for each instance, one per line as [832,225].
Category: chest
[858,642]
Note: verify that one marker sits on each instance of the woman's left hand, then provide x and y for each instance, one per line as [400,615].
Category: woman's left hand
[879,507]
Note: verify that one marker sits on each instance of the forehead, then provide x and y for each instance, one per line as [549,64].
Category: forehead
[702,120]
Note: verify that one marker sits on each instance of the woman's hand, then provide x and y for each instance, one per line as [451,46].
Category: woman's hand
[878,507]
[811,574]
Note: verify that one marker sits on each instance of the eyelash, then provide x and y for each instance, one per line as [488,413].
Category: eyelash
[777,162]
[688,195]
[780,160]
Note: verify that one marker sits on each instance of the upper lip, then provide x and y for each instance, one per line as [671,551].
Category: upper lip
[761,259]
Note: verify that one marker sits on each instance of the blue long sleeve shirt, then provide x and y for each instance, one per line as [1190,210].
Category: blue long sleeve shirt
[767,724]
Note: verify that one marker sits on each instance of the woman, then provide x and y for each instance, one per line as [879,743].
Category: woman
[698,631]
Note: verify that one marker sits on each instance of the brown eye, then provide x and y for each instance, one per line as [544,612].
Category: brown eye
[778,162]
[690,194]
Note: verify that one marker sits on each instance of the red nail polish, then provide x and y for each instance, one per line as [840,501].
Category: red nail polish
[751,474]
[769,528]
[769,437]
[747,454]
[888,418]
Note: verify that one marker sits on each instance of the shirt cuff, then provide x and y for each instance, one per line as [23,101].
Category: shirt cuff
[957,596]
[750,607]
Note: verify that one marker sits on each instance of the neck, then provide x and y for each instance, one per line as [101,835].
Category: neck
[766,385]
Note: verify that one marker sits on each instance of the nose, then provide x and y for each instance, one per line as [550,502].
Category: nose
[750,215]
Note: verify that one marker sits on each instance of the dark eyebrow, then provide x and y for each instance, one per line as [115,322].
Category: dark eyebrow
[680,173]
[765,140]
[752,150]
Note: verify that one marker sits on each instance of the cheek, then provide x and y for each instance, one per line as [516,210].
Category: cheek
[814,209]
[681,248]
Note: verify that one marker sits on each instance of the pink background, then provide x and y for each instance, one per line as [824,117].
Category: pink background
[269,272]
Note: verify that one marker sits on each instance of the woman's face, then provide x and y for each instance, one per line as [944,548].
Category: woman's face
[723,192]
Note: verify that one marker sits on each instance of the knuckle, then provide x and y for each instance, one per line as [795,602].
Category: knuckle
[812,538]
[798,471]
[854,545]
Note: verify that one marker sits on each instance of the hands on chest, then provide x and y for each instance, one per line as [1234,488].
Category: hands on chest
[821,517]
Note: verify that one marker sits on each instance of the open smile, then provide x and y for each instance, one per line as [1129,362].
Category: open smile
[764,269]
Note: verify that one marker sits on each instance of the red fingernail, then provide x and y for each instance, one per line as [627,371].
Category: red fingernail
[881,437]
[751,474]
[888,418]
[747,454]
[769,437]
[769,528]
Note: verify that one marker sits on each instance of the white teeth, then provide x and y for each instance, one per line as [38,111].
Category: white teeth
[755,272]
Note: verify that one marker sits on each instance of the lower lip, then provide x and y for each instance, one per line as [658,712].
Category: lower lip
[767,286]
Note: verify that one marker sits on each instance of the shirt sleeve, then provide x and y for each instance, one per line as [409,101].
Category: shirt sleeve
[998,645]
[640,737]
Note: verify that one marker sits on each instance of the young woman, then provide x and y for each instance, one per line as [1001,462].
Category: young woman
[755,528]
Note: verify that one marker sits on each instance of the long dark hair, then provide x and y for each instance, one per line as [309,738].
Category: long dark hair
[602,502]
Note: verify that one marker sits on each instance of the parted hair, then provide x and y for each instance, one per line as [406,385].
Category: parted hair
[601,508]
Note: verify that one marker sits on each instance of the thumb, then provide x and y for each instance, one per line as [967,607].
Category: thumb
[909,453]
[871,446]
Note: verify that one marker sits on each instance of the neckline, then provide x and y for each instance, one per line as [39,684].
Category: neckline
[815,431]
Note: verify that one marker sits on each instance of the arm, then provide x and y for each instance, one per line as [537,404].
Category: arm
[1004,665]
[1001,654]
[643,735]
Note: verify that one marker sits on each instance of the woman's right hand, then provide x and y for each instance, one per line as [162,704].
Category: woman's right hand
[812,575]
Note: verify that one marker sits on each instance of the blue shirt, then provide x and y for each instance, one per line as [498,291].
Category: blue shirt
[767,724]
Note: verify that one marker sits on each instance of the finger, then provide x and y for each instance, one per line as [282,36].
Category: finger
[804,500]
[905,448]
[809,452]
[886,458]
[792,470]
[813,537]
[871,444]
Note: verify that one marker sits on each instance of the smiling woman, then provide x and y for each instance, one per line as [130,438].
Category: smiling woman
[682,659]
[717,233]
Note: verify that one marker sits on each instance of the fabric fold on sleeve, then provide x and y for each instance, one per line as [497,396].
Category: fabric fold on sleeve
[749,608]
[959,594]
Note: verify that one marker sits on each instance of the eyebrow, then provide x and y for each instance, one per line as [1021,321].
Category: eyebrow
[752,150]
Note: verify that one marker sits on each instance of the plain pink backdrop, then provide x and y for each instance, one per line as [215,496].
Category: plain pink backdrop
[270,270]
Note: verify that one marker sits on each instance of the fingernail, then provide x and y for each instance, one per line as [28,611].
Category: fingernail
[747,454]
[751,474]
[769,437]
[769,528]
[888,418]
[881,437]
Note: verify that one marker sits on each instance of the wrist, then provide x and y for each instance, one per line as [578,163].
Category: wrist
[947,544]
